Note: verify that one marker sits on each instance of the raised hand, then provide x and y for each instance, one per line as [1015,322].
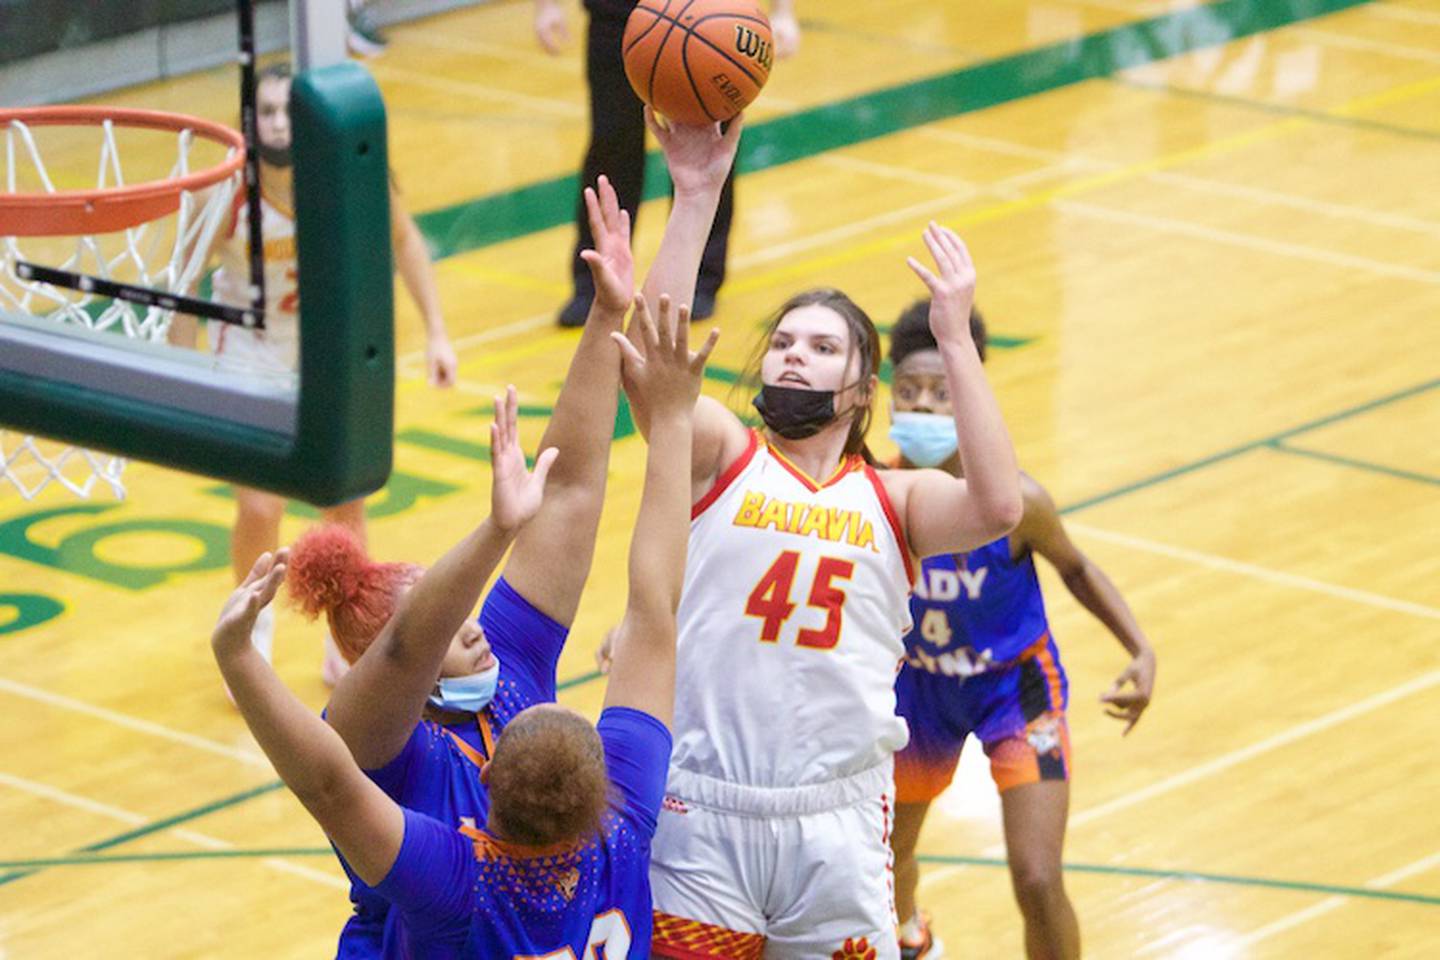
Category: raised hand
[699,157]
[515,492]
[666,376]
[1130,694]
[952,286]
[237,617]
[611,263]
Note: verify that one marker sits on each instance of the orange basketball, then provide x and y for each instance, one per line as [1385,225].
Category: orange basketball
[698,61]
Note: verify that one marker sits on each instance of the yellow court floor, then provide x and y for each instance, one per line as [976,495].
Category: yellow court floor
[1213,270]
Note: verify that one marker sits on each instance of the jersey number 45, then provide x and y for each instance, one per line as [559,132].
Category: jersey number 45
[770,600]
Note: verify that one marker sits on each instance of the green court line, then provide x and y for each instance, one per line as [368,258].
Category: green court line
[579,681]
[1194,876]
[431,440]
[529,209]
[1244,448]
[165,824]
[1188,876]
[1352,462]
[1282,110]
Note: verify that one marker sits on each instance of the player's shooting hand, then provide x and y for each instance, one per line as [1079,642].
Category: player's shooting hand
[1130,694]
[662,373]
[699,157]
[611,263]
[515,492]
[237,618]
[952,286]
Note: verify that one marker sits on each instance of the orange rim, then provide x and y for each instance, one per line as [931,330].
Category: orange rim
[81,212]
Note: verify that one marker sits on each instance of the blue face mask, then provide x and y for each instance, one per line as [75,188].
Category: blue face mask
[924,439]
[467,694]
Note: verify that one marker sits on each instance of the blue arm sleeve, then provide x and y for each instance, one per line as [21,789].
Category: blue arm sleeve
[526,641]
[637,757]
[432,880]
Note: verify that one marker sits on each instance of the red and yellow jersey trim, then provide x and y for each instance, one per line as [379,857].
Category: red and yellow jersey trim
[727,477]
[901,542]
[848,465]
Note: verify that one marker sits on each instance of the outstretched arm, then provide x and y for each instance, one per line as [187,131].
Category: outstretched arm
[412,259]
[376,705]
[1042,531]
[365,825]
[699,160]
[668,376]
[945,514]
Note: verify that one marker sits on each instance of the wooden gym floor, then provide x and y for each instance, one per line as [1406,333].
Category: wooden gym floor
[1214,269]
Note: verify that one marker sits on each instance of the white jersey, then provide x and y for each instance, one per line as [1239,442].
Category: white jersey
[792,625]
[279,343]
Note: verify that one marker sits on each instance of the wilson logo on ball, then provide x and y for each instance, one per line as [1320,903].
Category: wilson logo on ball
[750,44]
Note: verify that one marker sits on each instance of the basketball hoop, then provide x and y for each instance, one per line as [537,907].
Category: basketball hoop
[152,236]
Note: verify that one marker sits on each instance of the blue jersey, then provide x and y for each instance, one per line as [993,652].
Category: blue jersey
[974,611]
[437,772]
[469,894]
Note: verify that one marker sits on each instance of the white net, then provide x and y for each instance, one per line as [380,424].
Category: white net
[167,254]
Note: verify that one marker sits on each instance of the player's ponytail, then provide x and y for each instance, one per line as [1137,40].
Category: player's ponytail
[331,573]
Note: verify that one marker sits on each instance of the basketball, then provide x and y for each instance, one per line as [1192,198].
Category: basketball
[698,61]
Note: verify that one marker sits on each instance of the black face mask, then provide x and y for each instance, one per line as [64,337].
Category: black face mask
[795,413]
[275,156]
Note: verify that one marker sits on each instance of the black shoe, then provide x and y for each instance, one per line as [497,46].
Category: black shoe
[573,314]
[704,306]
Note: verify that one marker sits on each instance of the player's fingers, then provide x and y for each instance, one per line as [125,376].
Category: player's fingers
[258,569]
[512,414]
[609,202]
[632,356]
[937,252]
[703,356]
[732,132]
[680,332]
[544,462]
[593,211]
[958,248]
[651,324]
[652,121]
[499,420]
[923,273]
[271,584]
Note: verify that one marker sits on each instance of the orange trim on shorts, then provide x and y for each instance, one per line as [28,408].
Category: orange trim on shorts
[727,477]
[1046,659]
[1015,762]
[920,781]
[676,938]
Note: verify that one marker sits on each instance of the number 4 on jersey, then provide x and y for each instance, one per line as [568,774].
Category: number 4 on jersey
[770,600]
